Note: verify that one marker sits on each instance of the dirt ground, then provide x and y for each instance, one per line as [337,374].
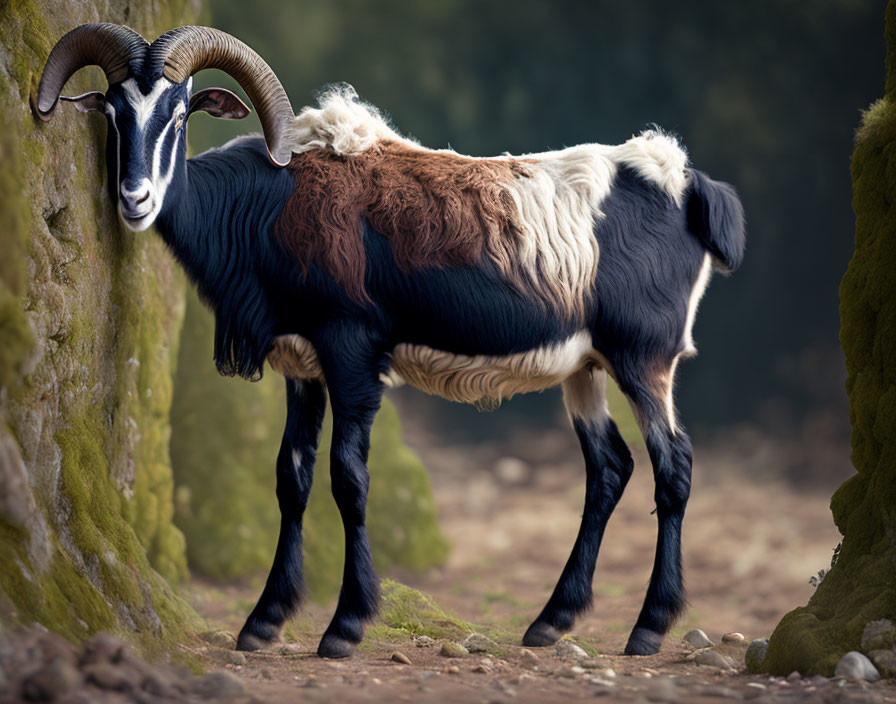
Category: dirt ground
[512,511]
[750,546]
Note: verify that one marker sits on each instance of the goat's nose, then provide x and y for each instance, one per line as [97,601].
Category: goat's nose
[136,198]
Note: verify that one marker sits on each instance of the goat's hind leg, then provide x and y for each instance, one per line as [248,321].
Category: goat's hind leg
[608,465]
[670,453]
[285,587]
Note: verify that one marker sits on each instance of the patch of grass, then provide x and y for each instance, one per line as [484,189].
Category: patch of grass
[416,614]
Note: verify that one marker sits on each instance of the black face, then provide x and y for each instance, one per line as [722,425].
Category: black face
[146,143]
[146,146]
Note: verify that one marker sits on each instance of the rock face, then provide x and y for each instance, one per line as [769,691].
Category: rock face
[89,322]
[860,586]
[225,438]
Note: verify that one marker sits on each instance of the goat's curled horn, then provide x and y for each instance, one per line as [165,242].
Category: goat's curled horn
[112,47]
[181,52]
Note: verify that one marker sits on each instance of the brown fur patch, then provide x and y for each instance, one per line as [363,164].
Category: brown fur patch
[436,208]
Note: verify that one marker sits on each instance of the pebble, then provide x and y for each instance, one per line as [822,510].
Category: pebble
[105,675]
[528,658]
[733,637]
[855,666]
[400,657]
[698,639]
[102,646]
[710,658]
[755,654]
[879,635]
[662,689]
[220,639]
[719,692]
[884,661]
[290,649]
[234,657]
[218,685]
[478,643]
[794,676]
[452,670]
[424,641]
[567,649]
[451,649]
[51,681]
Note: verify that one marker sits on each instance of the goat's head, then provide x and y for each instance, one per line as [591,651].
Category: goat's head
[149,100]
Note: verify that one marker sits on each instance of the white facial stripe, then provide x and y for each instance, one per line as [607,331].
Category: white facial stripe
[110,110]
[144,105]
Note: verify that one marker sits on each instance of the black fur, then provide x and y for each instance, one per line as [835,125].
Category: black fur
[716,216]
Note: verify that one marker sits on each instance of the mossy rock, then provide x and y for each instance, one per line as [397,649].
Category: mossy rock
[861,586]
[89,325]
[225,439]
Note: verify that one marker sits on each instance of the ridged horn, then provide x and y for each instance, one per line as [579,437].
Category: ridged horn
[112,47]
[181,52]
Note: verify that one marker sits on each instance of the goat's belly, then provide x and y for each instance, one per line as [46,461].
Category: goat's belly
[484,380]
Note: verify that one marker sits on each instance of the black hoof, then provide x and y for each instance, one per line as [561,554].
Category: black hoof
[541,635]
[257,637]
[643,642]
[334,647]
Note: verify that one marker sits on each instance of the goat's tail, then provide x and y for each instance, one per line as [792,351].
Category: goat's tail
[715,215]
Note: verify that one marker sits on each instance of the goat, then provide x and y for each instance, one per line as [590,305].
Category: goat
[352,258]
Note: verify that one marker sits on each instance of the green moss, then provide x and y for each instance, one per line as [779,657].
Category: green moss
[408,611]
[861,586]
[225,439]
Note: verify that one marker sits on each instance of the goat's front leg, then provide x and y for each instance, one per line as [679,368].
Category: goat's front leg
[608,466]
[283,592]
[355,395]
[670,452]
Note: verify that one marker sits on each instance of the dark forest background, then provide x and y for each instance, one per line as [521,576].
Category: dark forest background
[765,95]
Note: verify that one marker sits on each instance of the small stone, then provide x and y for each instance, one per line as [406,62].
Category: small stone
[528,658]
[234,657]
[478,643]
[609,673]
[218,685]
[719,692]
[884,661]
[755,655]
[794,676]
[512,471]
[710,658]
[102,647]
[662,689]
[158,686]
[424,641]
[451,649]
[698,639]
[105,675]
[733,638]
[567,649]
[400,658]
[220,639]
[483,667]
[51,681]
[855,666]
[290,649]
[452,670]
[879,635]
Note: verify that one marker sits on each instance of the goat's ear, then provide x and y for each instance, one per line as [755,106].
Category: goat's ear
[218,102]
[94,101]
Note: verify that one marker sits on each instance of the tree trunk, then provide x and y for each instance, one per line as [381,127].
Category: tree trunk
[89,321]
[861,586]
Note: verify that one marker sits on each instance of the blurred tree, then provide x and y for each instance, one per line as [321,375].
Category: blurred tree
[861,585]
